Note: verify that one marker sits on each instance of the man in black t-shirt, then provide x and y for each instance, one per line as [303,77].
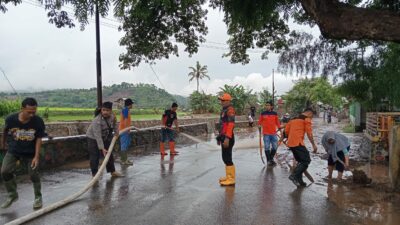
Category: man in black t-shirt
[168,118]
[22,138]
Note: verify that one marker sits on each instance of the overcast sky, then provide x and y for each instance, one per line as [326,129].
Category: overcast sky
[37,56]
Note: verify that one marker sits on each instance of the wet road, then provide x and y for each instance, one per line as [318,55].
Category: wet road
[184,190]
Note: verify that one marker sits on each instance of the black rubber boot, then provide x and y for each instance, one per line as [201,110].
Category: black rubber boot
[273,152]
[268,155]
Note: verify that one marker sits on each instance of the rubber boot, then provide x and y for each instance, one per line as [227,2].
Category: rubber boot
[124,159]
[172,148]
[37,203]
[11,187]
[268,155]
[273,152]
[123,156]
[226,174]
[230,176]
[162,149]
[298,172]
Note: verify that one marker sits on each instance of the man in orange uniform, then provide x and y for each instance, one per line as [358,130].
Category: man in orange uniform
[226,138]
[269,122]
[295,129]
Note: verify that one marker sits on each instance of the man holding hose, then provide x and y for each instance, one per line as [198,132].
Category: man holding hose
[99,136]
[125,138]
[167,134]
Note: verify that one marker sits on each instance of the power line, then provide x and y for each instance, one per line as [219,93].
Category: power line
[8,81]
[155,74]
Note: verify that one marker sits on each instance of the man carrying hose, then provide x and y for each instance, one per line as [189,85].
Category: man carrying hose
[99,136]
[23,134]
[296,129]
[226,138]
[125,138]
[269,122]
[167,134]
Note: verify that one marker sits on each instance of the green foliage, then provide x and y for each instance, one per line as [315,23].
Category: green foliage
[9,106]
[264,96]
[375,78]
[204,103]
[349,128]
[152,27]
[146,96]
[198,73]
[241,98]
[307,92]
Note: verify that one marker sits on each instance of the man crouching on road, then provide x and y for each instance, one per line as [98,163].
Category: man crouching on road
[295,129]
[226,138]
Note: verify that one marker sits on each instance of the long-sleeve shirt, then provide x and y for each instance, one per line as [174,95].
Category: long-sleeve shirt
[227,121]
[101,128]
[269,121]
[296,129]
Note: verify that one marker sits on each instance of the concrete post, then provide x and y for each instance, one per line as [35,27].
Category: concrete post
[394,156]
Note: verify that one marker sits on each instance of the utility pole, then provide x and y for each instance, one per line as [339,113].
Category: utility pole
[273,87]
[98,60]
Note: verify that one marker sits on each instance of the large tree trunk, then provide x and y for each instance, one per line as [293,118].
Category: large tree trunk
[342,21]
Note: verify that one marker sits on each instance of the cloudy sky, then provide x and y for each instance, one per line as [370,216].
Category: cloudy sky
[37,56]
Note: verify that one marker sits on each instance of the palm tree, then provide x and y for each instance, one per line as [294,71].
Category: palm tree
[199,72]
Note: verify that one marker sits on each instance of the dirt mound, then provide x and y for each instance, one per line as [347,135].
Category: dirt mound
[360,177]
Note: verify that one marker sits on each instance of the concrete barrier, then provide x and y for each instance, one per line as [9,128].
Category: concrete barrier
[57,151]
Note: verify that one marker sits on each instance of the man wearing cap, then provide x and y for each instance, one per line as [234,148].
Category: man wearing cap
[269,122]
[100,134]
[226,138]
[125,138]
[295,130]
[167,134]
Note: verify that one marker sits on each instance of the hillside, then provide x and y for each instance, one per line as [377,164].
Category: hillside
[145,95]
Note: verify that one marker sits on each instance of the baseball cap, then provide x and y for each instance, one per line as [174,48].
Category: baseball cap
[225,97]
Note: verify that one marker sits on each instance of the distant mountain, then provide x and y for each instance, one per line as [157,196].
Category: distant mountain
[145,96]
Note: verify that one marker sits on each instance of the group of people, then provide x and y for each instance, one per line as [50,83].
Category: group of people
[24,130]
[292,134]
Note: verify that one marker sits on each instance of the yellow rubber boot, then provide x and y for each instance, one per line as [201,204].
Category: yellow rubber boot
[226,174]
[230,176]
[162,149]
[172,148]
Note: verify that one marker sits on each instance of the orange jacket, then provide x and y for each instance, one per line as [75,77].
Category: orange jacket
[296,128]
[227,121]
[125,119]
[269,121]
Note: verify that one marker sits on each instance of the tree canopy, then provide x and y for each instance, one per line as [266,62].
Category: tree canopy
[153,28]
[308,92]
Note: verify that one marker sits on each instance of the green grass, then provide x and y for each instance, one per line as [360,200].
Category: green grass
[67,117]
[349,128]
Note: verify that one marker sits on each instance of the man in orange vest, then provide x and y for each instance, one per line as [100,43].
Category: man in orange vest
[269,122]
[295,130]
[226,138]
